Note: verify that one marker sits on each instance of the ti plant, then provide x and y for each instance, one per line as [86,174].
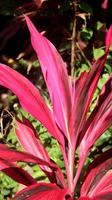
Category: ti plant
[67,121]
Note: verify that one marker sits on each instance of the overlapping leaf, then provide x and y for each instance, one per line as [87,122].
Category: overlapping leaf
[55,74]
[85,88]
[31,143]
[98,180]
[30,140]
[29,98]
[100,119]
[42,191]
[11,155]
[15,172]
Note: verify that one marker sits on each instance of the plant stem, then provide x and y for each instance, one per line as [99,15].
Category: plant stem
[65,160]
[69,165]
[71,159]
[73,42]
[83,55]
[80,166]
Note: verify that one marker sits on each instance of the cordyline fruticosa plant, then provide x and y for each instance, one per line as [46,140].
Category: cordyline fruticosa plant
[67,121]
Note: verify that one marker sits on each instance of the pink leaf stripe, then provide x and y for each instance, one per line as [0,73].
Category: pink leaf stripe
[18,174]
[14,156]
[100,119]
[85,88]
[31,143]
[42,191]
[98,180]
[55,74]
[109,38]
[29,98]
[54,173]
[29,140]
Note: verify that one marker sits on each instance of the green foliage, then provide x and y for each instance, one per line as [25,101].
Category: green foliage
[8,187]
[106,138]
[97,53]
[86,34]
[85,7]
[7,7]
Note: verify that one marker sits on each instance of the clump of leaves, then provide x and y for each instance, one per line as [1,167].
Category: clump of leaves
[7,186]
[67,121]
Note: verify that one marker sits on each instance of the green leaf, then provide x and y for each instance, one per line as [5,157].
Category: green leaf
[86,34]
[103,80]
[86,7]
[97,53]
[98,25]
[11,137]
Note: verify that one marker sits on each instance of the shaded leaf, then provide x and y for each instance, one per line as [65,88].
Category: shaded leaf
[39,2]
[86,86]
[31,143]
[98,179]
[100,119]
[41,191]
[29,139]
[16,173]
[14,156]
[105,4]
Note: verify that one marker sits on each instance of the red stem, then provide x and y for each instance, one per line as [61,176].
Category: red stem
[80,166]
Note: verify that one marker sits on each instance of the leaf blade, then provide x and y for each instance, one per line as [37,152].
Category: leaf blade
[16,173]
[98,178]
[31,101]
[56,77]
[41,191]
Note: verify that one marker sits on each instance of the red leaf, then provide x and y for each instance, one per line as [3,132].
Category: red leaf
[56,77]
[106,196]
[39,2]
[105,4]
[42,191]
[14,156]
[55,175]
[84,198]
[85,88]
[100,119]
[30,140]
[16,173]
[31,143]
[29,98]
[109,38]
[98,179]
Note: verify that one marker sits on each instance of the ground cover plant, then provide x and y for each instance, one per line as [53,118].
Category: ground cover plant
[67,120]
